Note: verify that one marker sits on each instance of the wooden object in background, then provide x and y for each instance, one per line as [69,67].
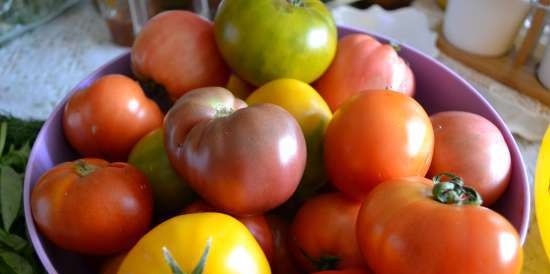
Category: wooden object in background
[532,36]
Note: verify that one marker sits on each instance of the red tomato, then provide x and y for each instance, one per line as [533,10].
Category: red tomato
[177,50]
[92,206]
[402,229]
[322,235]
[376,136]
[242,160]
[109,117]
[346,271]
[362,63]
[471,147]
[257,225]
[282,262]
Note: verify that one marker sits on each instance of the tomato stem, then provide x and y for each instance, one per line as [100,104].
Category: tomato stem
[176,269]
[325,262]
[454,191]
[84,169]
[296,3]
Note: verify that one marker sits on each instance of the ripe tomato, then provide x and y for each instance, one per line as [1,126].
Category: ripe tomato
[112,264]
[242,160]
[232,249]
[376,136]
[402,229]
[313,115]
[282,262]
[345,271]
[177,50]
[264,40]
[92,206]
[171,192]
[257,225]
[109,117]
[362,63]
[322,234]
[471,147]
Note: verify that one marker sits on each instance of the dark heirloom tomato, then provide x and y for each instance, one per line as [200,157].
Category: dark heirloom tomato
[471,147]
[242,160]
[362,63]
[264,40]
[411,226]
[177,50]
[92,206]
[376,136]
[282,262]
[257,225]
[109,117]
[322,234]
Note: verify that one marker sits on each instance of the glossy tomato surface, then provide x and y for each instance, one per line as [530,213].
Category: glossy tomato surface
[109,117]
[282,262]
[470,146]
[177,50]
[232,249]
[376,136]
[92,206]
[401,229]
[264,40]
[362,63]
[322,235]
[241,160]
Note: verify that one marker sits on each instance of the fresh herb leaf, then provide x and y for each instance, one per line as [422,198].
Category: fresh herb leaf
[3,135]
[11,190]
[14,263]
[12,241]
[16,158]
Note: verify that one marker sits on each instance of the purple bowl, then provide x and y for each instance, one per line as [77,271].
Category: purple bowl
[437,89]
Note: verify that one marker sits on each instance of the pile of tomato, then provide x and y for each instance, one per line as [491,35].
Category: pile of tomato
[283,150]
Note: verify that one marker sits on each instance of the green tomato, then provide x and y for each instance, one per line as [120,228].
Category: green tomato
[264,40]
[171,192]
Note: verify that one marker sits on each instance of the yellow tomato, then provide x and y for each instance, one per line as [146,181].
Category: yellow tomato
[542,191]
[232,249]
[312,113]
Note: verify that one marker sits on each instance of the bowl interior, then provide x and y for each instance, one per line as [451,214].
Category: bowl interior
[437,89]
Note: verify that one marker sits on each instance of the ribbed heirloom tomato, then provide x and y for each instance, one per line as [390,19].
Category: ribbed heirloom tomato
[413,226]
[376,136]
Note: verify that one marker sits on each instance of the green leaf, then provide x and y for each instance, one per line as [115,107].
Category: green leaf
[11,190]
[16,158]
[15,263]
[12,241]
[3,136]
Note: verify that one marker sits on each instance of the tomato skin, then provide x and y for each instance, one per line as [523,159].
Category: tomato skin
[345,271]
[470,146]
[112,264]
[211,136]
[254,36]
[177,50]
[401,229]
[93,130]
[257,225]
[362,63]
[282,262]
[233,249]
[171,192]
[85,213]
[376,136]
[313,115]
[325,227]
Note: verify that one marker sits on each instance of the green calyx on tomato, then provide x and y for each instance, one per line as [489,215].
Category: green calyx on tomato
[84,169]
[326,262]
[176,269]
[454,191]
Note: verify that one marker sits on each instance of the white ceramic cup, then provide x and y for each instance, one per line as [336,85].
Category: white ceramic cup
[484,27]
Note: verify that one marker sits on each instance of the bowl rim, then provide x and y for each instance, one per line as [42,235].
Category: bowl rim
[513,146]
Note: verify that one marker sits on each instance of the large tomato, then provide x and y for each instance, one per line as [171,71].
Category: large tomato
[92,206]
[473,148]
[217,242]
[313,115]
[177,50]
[170,191]
[410,226]
[242,160]
[362,63]
[376,136]
[264,40]
[282,262]
[257,225]
[322,234]
[109,117]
